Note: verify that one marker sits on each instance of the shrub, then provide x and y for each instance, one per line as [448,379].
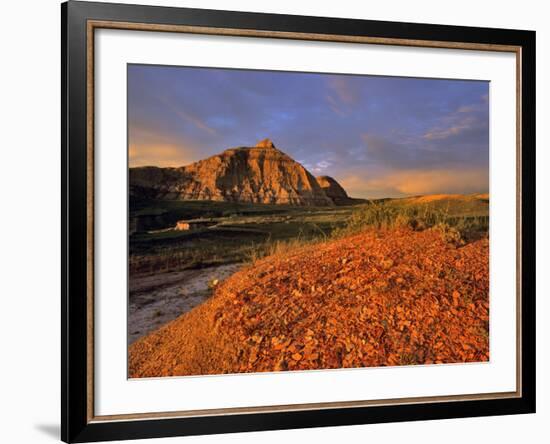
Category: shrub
[448,233]
[416,217]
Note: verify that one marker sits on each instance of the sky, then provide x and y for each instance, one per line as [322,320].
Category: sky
[377,136]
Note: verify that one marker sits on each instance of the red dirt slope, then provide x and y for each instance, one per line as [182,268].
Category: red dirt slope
[374,299]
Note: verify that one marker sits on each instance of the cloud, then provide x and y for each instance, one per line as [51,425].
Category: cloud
[147,147]
[466,109]
[187,116]
[335,107]
[321,166]
[343,94]
[444,133]
[385,151]
[458,139]
[439,181]
[196,121]
[162,155]
[402,152]
[414,182]
[344,89]
[459,126]
[467,119]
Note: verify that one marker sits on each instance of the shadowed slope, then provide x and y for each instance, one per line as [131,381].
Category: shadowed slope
[334,190]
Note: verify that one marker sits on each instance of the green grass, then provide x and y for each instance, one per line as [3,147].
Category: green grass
[243,232]
[246,232]
[469,205]
[174,210]
[468,217]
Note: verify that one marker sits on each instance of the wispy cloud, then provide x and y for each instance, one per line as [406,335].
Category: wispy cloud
[345,91]
[335,106]
[342,94]
[465,119]
[321,166]
[161,155]
[444,133]
[415,182]
[148,148]
[187,116]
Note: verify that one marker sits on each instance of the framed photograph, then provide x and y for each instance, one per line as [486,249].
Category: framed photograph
[275,221]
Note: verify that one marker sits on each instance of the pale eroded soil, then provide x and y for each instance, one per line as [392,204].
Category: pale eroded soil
[157,299]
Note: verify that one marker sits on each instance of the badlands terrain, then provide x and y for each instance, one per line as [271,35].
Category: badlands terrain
[246,262]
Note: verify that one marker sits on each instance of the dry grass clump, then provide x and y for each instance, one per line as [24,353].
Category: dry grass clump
[417,217]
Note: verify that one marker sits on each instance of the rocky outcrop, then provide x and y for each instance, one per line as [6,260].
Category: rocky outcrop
[334,190]
[259,174]
[266,143]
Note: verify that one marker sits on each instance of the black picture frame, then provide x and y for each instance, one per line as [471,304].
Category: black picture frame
[76,423]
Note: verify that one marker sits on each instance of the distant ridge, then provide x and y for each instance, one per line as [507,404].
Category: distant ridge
[256,174]
[439,197]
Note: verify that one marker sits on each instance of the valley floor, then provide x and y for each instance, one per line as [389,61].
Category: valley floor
[157,299]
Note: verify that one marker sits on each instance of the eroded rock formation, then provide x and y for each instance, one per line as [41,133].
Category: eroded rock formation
[258,174]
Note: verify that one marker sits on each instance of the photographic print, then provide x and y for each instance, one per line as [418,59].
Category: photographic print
[282,221]
[275,222]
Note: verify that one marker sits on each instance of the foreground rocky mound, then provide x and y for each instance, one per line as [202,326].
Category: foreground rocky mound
[259,174]
[372,299]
